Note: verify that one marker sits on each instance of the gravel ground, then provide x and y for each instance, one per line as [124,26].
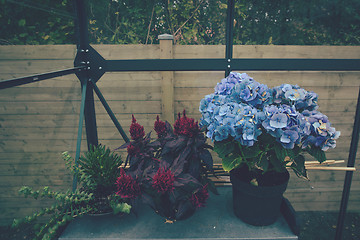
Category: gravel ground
[322,225]
[313,225]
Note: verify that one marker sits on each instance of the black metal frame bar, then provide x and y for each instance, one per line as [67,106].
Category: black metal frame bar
[38,77]
[83,58]
[229,35]
[109,111]
[89,66]
[349,174]
[219,64]
[80,128]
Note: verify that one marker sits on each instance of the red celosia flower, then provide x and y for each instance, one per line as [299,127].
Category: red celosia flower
[199,198]
[127,187]
[133,150]
[186,126]
[163,181]
[159,127]
[136,130]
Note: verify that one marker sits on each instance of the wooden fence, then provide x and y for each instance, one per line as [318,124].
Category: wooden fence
[39,121]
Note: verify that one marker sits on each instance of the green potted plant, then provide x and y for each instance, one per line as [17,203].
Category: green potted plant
[168,173]
[258,132]
[98,170]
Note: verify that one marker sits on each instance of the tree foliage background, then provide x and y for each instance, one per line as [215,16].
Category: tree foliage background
[291,22]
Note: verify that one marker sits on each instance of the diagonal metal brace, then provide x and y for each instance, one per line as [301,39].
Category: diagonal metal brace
[39,77]
[110,112]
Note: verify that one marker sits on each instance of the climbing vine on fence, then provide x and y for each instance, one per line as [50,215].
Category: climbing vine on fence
[291,22]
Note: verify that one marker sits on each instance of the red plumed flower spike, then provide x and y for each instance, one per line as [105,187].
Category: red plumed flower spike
[186,126]
[126,186]
[163,181]
[133,150]
[159,127]
[198,199]
[136,130]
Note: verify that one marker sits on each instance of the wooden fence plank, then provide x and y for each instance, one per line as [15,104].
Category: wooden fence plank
[73,107]
[304,79]
[293,51]
[55,52]
[31,67]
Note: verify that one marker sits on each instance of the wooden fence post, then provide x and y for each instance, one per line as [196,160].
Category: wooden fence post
[167,79]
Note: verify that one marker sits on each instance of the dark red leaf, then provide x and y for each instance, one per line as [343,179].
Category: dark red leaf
[206,157]
[178,164]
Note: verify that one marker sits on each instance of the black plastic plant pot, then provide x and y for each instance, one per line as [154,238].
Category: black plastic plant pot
[181,210]
[257,205]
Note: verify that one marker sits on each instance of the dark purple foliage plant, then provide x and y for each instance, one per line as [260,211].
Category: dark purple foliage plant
[169,172]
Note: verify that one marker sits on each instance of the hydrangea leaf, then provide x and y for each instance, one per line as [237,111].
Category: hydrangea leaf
[263,163]
[224,148]
[250,152]
[278,160]
[298,166]
[231,161]
[281,153]
[317,153]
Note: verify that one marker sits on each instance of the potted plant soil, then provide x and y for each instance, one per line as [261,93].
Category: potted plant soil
[169,172]
[258,132]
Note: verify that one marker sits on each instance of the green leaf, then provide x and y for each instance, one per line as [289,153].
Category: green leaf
[250,152]
[263,163]
[277,163]
[121,207]
[22,22]
[317,153]
[224,148]
[298,166]
[231,161]
[16,223]
[280,152]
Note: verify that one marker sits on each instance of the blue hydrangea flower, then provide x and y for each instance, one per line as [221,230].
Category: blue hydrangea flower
[242,108]
[321,135]
[221,132]
[278,120]
[295,96]
[289,138]
[227,84]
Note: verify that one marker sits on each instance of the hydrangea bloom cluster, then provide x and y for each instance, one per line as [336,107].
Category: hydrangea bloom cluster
[243,109]
[294,95]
